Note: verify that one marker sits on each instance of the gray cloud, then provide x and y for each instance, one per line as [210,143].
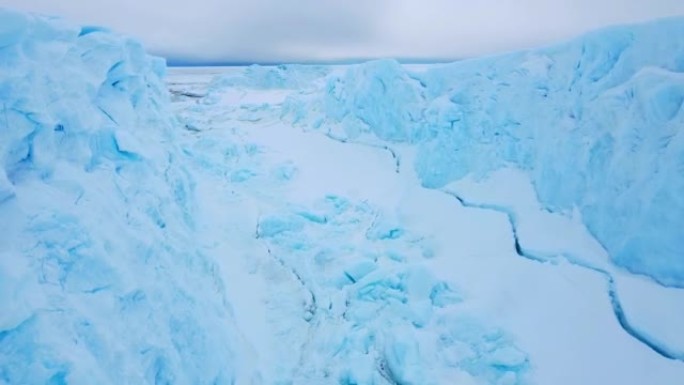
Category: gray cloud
[313,30]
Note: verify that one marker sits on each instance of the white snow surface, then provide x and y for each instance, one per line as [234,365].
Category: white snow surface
[319,225]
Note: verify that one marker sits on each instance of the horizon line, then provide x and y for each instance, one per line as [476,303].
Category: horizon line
[178,62]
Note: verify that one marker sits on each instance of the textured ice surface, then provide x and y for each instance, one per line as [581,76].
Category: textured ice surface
[339,291]
[99,279]
[373,314]
[596,121]
[334,214]
[225,245]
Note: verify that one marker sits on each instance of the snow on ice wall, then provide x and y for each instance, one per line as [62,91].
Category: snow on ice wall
[99,282]
[597,122]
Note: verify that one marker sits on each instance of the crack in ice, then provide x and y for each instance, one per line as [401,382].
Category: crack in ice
[395,157]
[616,305]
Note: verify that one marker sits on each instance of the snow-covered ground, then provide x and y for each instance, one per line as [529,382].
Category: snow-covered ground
[358,274]
[366,224]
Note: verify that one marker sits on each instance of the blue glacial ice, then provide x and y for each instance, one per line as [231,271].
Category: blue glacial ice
[115,249]
[596,121]
[99,279]
[374,318]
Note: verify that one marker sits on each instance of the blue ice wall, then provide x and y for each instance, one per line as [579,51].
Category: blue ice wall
[597,122]
[99,279]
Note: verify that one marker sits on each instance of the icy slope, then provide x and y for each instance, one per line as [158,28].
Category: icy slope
[100,282]
[357,274]
[597,122]
[226,245]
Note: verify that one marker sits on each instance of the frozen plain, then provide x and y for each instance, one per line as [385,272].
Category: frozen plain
[296,224]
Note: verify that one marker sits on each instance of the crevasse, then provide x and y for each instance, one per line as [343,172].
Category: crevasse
[596,121]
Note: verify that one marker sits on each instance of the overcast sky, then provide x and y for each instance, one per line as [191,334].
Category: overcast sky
[329,30]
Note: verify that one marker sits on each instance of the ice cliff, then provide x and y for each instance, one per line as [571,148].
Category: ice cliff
[220,244]
[596,121]
[99,279]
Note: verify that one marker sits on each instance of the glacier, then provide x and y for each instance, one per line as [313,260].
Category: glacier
[503,220]
[596,121]
[99,280]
